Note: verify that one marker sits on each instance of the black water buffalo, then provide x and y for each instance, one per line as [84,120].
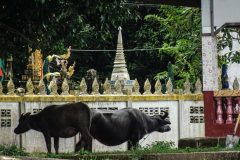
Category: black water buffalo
[127,124]
[59,121]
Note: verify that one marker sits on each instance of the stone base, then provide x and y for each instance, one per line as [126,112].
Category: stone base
[201,142]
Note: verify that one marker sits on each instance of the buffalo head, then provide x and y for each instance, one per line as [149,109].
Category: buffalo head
[23,125]
[163,123]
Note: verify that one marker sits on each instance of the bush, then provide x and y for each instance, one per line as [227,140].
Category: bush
[161,146]
[12,150]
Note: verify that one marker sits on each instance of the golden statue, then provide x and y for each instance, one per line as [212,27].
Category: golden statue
[71,70]
[55,66]
[66,55]
[38,62]
[34,66]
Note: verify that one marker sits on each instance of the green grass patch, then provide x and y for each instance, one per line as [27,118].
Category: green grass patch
[12,150]
[158,147]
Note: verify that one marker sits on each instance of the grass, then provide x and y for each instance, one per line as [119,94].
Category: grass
[12,150]
[158,147]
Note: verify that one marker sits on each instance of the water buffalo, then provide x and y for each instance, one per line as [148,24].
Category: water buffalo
[123,125]
[59,121]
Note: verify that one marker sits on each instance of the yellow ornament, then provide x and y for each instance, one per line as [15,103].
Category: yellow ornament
[66,55]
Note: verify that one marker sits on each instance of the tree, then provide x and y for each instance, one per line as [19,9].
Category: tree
[177,31]
[52,26]
[224,40]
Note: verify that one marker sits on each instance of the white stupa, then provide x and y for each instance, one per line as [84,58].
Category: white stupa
[120,71]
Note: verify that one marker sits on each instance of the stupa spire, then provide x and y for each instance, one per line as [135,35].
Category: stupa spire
[120,71]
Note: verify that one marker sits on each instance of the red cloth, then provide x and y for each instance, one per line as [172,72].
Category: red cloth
[1,72]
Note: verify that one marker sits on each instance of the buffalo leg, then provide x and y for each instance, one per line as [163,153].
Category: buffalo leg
[134,141]
[87,138]
[48,142]
[56,144]
[80,145]
[84,144]
[132,144]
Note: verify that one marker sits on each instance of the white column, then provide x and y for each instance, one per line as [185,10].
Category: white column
[209,63]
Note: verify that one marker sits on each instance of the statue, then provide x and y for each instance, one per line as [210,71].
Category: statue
[171,73]
[34,67]
[71,70]
[55,66]
[91,74]
[2,70]
[225,84]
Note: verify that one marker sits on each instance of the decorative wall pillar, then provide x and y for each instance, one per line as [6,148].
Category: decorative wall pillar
[106,87]
[210,81]
[65,87]
[10,87]
[187,87]
[147,87]
[136,87]
[53,87]
[30,87]
[169,87]
[41,87]
[83,87]
[95,87]
[209,63]
[117,88]
[158,87]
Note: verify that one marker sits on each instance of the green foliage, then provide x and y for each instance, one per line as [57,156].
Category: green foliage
[162,76]
[12,150]
[182,42]
[225,40]
[52,26]
[160,146]
[137,153]
[177,31]
[83,152]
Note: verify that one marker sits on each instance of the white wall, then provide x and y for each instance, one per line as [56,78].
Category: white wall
[9,115]
[180,113]
[155,107]
[191,119]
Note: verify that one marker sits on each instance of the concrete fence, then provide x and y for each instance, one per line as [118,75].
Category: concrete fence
[185,113]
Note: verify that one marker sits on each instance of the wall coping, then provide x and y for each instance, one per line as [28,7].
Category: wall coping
[227,93]
[100,98]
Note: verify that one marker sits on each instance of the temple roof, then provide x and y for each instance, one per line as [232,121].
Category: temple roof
[187,3]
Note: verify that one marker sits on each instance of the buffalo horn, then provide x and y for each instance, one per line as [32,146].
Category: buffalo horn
[165,115]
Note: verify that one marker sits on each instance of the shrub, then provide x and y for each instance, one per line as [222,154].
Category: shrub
[12,150]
